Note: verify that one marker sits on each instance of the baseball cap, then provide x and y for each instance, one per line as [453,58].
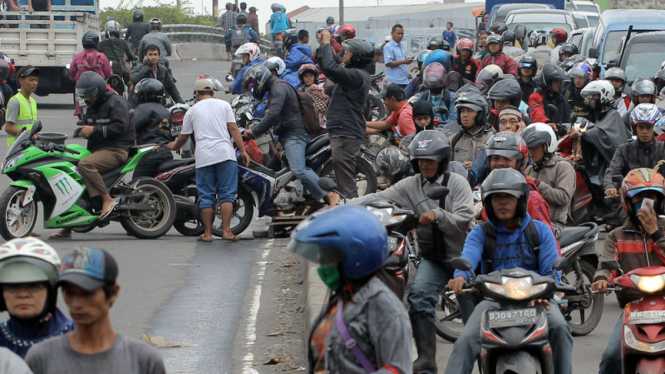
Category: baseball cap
[391,91]
[27,71]
[203,85]
[89,268]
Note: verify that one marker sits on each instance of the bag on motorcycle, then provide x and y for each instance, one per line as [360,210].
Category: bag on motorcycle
[253,151]
[239,37]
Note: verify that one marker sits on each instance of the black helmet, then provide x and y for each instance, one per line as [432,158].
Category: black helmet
[495,38]
[527,61]
[363,52]
[241,19]
[474,102]
[506,89]
[256,80]
[290,37]
[659,79]
[393,163]
[551,73]
[330,20]
[568,48]
[156,24]
[90,39]
[274,7]
[430,145]
[520,32]
[643,87]
[90,86]
[435,43]
[4,73]
[467,89]
[149,90]
[138,15]
[508,37]
[507,144]
[508,181]
[498,28]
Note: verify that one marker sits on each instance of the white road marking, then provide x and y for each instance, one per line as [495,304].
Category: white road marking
[248,360]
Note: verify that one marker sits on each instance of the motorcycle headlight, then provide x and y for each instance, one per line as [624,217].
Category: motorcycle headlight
[516,288]
[12,161]
[649,283]
[383,214]
[396,218]
[639,345]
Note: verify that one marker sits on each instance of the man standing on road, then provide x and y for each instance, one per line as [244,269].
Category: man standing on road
[397,63]
[88,281]
[226,21]
[345,116]
[22,108]
[213,124]
[449,35]
[253,19]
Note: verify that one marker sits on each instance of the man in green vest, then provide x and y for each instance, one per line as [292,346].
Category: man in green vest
[21,108]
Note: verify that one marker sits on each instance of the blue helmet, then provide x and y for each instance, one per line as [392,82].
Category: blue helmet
[442,57]
[659,127]
[350,235]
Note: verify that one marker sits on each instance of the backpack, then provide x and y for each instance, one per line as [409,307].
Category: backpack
[239,37]
[118,64]
[308,112]
[489,246]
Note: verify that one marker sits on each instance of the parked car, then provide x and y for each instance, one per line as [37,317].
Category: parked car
[586,19]
[500,12]
[583,6]
[583,39]
[541,19]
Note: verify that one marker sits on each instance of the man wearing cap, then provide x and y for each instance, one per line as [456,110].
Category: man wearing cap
[253,19]
[401,117]
[213,124]
[22,108]
[88,280]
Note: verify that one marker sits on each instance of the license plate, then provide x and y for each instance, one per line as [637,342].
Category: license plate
[392,244]
[175,131]
[507,318]
[647,317]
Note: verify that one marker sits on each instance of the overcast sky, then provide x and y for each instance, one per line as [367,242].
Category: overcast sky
[264,5]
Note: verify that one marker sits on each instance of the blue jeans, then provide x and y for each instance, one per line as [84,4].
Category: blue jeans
[294,147]
[424,295]
[220,180]
[611,361]
[467,347]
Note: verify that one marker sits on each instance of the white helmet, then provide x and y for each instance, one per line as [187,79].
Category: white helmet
[539,133]
[275,63]
[251,49]
[600,87]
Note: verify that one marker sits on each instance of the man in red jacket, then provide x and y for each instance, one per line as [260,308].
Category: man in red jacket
[497,57]
[549,92]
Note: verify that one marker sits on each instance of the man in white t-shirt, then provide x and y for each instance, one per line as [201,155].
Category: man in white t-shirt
[213,124]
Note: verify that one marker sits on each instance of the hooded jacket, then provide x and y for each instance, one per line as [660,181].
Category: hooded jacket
[110,120]
[633,249]
[512,249]
[556,183]
[18,335]
[633,155]
[507,64]
[283,113]
[299,55]
[90,60]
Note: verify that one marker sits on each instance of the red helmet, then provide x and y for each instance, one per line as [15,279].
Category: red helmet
[561,35]
[464,43]
[346,31]
[309,68]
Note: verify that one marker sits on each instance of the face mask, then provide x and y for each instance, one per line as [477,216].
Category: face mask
[330,276]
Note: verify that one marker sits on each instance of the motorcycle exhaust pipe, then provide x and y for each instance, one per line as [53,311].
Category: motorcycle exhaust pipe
[186,208]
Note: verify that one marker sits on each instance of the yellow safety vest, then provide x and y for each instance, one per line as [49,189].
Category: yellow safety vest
[27,115]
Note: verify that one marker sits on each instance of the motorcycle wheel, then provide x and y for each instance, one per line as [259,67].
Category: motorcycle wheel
[374,110]
[17,221]
[365,176]
[448,321]
[150,224]
[243,212]
[581,321]
[83,229]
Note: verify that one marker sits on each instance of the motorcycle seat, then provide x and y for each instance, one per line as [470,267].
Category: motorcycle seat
[571,235]
[170,165]
[316,144]
[112,175]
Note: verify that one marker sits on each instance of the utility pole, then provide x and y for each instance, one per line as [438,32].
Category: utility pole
[341,12]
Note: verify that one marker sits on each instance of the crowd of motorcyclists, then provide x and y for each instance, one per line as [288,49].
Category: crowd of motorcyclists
[525,118]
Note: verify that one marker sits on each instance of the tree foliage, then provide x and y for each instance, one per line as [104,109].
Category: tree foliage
[181,13]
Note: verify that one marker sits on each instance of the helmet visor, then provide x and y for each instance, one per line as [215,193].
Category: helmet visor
[485,76]
[513,155]
[316,252]
[22,272]
[248,86]
[632,193]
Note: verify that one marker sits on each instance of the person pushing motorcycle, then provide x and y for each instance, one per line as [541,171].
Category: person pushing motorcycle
[639,242]
[110,134]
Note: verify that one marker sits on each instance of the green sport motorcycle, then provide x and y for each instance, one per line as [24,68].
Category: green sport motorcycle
[46,172]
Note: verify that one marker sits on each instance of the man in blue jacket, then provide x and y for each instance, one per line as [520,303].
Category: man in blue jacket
[278,23]
[505,193]
[299,54]
[251,55]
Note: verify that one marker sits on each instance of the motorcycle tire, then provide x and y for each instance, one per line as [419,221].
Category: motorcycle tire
[363,168]
[597,304]
[450,326]
[83,229]
[243,201]
[9,199]
[374,110]
[184,230]
[133,221]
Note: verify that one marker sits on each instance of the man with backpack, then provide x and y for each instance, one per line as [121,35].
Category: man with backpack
[510,238]
[116,50]
[241,33]
[285,116]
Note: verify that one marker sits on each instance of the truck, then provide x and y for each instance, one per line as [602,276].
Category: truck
[49,40]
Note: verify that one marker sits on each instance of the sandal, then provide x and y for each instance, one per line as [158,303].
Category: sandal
[233,239]
[59,236]
[200,239]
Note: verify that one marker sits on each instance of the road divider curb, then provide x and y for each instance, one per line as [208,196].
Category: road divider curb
[200,51]
[315,297]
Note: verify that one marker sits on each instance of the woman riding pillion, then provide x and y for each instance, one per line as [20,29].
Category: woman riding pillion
[350,245]
[28,277]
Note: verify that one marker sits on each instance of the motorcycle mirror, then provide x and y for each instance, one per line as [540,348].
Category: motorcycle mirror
[36,128]
[229,78]
[461,263]
[560,264]
[573,117]
[617,178]
[327,184]
[611,265]
[552,111]
[438,192]
[442,110]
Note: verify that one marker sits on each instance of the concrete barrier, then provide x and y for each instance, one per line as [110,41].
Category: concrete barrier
[201,51]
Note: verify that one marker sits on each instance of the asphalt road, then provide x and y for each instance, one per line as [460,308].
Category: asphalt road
[234,306]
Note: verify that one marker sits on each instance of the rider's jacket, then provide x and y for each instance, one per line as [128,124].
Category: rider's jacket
[556,183]
[507,64]
[157,38]
[468,69]
[633,249]
[112,126]
[152,124]
[299,55]
[19,335]
[283,114]
[538,103]
[163,75]
[632,155]
[575,100]
[135,32]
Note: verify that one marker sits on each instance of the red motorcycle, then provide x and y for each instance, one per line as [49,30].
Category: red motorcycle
[643,338]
